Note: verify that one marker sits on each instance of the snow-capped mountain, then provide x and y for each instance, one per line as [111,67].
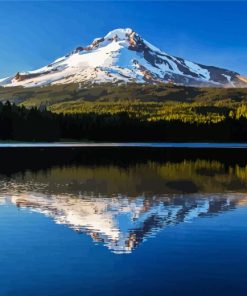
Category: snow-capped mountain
[124,56]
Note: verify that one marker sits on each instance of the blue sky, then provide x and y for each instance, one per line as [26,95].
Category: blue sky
[33,34]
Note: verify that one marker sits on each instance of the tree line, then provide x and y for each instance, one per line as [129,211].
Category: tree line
[21,124]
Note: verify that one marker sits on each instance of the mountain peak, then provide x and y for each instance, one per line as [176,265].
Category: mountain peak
[122,34]
[127,37]
[122,56]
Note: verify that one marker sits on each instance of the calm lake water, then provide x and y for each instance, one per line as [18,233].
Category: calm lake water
[123,221]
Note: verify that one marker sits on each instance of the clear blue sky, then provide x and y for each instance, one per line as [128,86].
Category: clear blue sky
[33,34]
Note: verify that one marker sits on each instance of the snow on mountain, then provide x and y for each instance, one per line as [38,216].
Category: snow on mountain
[123,56]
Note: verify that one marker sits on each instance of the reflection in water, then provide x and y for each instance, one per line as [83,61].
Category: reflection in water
[121,223]
[121,207]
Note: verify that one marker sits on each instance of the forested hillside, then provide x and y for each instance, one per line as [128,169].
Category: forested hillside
[22,124]
[150,103]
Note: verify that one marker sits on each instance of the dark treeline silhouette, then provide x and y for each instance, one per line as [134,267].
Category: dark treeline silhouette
[19,123]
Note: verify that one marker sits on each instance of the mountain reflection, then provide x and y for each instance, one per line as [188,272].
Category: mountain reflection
[122,207]
[121,223]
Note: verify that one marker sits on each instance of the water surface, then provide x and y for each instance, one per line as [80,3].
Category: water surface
[119,222]
[212,145]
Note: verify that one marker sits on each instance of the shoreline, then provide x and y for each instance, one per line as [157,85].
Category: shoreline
[174,145]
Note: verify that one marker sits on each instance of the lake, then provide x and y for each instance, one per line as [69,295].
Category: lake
[123,220]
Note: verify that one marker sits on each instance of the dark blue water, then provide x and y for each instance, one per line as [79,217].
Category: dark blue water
[148,227]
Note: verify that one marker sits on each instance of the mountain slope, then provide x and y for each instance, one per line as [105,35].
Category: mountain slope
[123,56]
